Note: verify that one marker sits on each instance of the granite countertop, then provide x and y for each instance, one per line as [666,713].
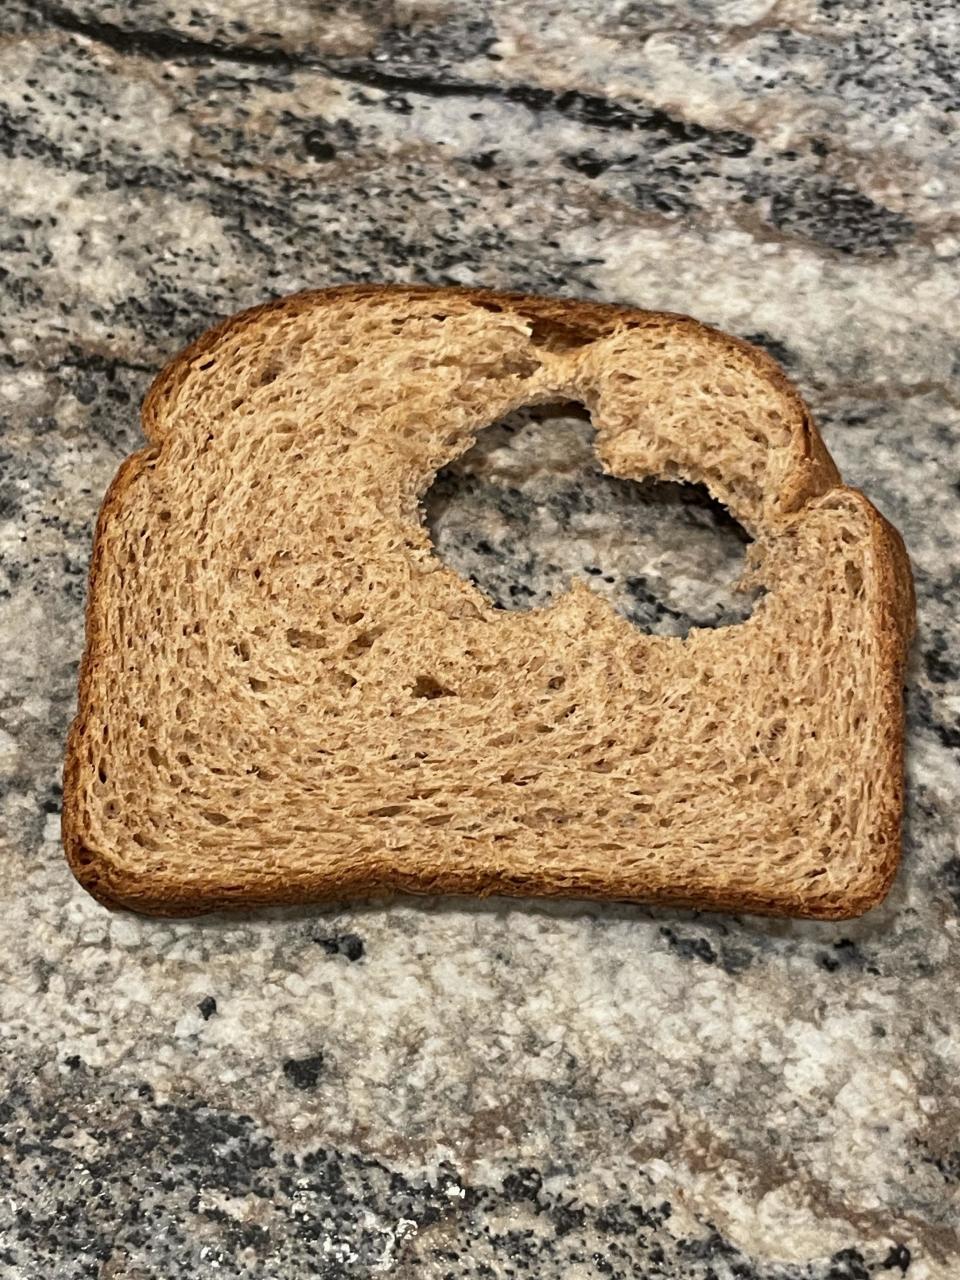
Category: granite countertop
[479,1089]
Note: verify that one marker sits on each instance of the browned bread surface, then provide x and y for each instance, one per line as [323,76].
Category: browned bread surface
[286,697]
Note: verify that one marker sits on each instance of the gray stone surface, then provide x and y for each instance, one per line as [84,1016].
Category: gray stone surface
[492,1089]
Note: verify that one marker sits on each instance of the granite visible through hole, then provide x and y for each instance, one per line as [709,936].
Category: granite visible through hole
[529,507]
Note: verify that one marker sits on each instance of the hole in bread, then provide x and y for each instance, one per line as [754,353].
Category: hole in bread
[84,856]
[428,687]
[362,643]
[853,577]
[518,779]
[298,639]
[552,335]
[529,509]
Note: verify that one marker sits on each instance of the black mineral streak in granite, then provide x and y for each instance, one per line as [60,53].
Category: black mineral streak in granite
[457,1089]
[304,1073]
[349,945]
[188,1188]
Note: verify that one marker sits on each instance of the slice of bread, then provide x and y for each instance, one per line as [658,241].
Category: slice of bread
[286,697]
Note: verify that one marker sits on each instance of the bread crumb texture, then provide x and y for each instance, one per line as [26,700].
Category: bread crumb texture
[287,697]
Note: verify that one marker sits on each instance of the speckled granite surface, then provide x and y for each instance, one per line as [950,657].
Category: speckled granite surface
[457,1089]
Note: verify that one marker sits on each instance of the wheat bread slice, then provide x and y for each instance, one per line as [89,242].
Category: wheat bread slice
[286,697]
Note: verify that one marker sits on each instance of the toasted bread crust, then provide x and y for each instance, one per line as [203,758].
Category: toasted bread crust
[813,477]
[85,862]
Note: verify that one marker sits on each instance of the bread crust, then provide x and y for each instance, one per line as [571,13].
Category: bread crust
[814,478]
